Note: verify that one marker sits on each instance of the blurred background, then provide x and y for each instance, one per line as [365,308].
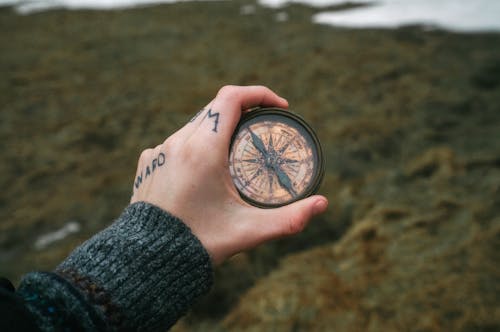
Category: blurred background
[404,95]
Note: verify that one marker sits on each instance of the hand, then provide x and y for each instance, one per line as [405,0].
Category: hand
[188,176]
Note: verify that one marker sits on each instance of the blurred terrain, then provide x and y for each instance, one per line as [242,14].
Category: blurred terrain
[409,120]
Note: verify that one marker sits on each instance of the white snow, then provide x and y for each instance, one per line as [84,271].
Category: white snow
[47,239]
[455,15]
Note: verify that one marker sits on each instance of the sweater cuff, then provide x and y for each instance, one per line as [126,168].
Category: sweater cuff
[148,264]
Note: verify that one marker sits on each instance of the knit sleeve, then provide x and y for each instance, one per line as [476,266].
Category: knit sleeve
[142,273]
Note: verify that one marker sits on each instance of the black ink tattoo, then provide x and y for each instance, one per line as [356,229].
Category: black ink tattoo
[216,120]
[209,115]
[138,181]
[196,115]
[155,163]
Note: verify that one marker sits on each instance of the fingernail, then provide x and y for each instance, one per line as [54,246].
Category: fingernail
[320,206]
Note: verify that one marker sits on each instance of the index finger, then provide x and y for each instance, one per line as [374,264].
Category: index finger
[220,119]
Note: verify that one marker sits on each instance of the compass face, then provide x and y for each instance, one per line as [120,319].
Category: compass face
[275,158]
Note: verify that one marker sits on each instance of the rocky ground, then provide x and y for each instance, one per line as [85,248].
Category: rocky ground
[409,120]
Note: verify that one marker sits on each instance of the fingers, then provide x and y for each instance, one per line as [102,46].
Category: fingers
[243,97]
[221,116]
[268,224]
[293,218]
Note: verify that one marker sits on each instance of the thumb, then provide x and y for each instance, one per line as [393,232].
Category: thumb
[262,225]
[290,219]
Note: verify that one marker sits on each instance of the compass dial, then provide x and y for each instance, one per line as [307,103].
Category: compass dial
[275,158]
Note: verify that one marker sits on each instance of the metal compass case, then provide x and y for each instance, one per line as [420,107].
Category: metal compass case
[275,158]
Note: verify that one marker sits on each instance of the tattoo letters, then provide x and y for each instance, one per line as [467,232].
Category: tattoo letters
[209,115]
[155,163]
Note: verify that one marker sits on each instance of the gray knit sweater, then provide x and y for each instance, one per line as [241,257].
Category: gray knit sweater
[140,274]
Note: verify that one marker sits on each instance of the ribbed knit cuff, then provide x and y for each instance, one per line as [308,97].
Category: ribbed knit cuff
[56,305]
[147,265]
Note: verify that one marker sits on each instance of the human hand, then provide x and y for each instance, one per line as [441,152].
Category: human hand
[188,176]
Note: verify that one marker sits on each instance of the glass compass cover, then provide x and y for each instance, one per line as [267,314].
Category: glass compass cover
[275,158]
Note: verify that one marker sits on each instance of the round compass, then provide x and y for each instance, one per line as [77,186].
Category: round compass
[275,158]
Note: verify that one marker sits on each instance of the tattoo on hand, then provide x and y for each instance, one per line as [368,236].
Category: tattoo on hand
[155,163]
[196,115]
[209,115]
[216,120]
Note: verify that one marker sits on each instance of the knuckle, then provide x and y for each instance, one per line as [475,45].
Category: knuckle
[168,144]
[173,143]
[227,90]
[146,154]
[158,148]
[263,90]
[261,87]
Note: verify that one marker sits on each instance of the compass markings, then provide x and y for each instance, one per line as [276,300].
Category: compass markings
[272,160]
[291,161]
[282,142]
[271,146]
[294,168]
[253,161]
[250,150]
[283,149]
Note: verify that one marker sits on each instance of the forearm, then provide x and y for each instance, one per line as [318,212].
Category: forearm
[141,273]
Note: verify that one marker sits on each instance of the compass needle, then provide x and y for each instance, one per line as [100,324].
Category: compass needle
[270,177]
[257,142]
[284,180]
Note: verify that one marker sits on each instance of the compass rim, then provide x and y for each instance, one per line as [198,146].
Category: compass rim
[318,175]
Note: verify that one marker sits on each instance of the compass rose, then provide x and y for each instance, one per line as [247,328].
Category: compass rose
[275,158]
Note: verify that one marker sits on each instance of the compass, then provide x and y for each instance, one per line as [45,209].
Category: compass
[275,158]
